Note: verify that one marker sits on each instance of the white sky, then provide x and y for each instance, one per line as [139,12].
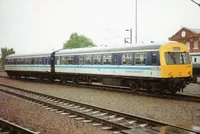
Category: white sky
[42,25]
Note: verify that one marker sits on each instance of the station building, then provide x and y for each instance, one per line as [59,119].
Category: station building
[190,37]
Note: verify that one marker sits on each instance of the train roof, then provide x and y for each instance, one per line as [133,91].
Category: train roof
[139,46]
[28,55]
[124,48]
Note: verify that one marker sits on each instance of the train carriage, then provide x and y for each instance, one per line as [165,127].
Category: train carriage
[33,65]
[162,67]
[154,67]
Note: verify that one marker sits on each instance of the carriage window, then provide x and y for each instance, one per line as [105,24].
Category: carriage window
[18,61]
[107,59]
[97,59]
[58,60]
[154,59]
[140,58]
[12,61]
[80,60]
[25,61]
[70,60]
[88,59]
[37,61]
[63,60]
[29,60]
[34,61]
[127,59]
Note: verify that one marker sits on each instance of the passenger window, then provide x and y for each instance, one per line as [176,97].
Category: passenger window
[88,59]
[154,59]
[107,59]
[58,60]
[195,59]
[140,58]
[22,61]
[127,59]
[97,59]
[38,60]
[70,60]
[18,61]
[63,60]
[81,60]
[25,61]
[35,61]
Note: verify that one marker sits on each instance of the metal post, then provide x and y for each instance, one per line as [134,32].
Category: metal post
[131,36]
[135,21]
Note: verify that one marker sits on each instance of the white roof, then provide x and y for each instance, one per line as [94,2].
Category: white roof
[124,48]
[28,55]
[149,46]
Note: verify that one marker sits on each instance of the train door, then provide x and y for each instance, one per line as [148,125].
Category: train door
[155,64]
[52,64]
[76,61]
[116,61]
[45,62]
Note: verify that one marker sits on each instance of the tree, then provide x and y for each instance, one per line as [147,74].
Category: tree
[5,52]
[78,41]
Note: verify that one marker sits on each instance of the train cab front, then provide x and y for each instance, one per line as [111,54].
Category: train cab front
[176,67]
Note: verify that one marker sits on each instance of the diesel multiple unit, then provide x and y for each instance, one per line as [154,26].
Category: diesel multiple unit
[153,67]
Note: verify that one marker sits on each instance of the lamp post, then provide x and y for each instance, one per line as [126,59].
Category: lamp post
[130,37]
[135,21]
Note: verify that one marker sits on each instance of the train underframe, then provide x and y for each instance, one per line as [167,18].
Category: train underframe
[158,85]
[154,85]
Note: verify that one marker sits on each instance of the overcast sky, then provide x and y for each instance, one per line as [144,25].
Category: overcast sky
[43,25]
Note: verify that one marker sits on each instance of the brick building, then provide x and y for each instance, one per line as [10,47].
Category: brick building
[190,37]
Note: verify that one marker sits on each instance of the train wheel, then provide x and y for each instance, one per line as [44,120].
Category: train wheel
[194,80]
[63,79]
[75,80]
[173,91]
[134,86]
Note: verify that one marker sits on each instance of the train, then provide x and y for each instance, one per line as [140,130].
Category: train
[195,57]
[154,67]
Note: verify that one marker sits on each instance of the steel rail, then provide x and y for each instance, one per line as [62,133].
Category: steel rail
[152,124]
[180,97]
[10,127]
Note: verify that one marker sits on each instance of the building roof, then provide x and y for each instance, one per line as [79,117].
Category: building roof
[195,30]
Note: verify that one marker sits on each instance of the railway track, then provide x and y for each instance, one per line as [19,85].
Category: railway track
[7,127]
[106,119]
[180,97]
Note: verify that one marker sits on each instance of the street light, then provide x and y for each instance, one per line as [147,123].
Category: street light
[135,21]
[130,37]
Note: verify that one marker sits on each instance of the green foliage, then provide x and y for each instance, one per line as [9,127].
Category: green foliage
[78,41]
[5,52]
